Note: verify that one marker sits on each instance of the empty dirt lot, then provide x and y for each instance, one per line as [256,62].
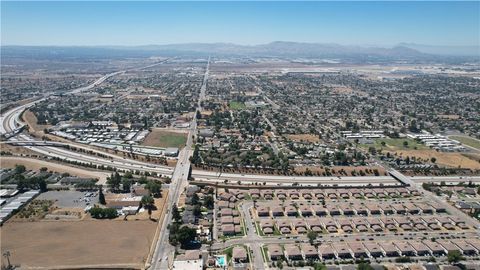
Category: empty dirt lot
[52,244]
[454,160]
[36,164]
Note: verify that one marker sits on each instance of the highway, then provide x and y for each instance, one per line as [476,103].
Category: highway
[214,176]
[10,121]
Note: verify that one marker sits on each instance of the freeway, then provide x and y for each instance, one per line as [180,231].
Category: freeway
[10,121]
[447,179]
[213,176]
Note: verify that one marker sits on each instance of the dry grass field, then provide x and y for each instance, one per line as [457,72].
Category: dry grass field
[454,160]
[304,137]
[100,243]
[31,121]
[35,164]
[18,150]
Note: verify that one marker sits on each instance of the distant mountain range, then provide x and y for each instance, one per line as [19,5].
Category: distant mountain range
[444,50]
[402,52]
[286,49]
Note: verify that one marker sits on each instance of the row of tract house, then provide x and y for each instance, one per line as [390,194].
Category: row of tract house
[271,209]
[361,224]
[346,250]
[326,193]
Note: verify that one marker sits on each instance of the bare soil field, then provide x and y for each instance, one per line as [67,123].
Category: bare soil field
[31,121]
[52,244]
[447,159]
[36,164]
[449,116]
[165,138]
[304,137]
[18,150]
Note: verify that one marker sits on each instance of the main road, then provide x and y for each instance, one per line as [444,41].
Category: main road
[164,252]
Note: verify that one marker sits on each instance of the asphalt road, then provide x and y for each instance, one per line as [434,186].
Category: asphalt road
[164,252]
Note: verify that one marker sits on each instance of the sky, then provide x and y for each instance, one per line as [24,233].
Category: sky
[248,23]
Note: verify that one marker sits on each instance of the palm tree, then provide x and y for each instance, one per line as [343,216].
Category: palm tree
[148,203]
[6,254]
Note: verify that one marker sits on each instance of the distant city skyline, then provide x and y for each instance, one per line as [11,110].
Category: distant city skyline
[245,23]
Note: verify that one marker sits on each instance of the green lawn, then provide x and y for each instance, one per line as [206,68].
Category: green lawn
[467,141]
[228,252]
[173,140]
[163,138]
[395,144]
[235,105]
[265,254]
[259,231]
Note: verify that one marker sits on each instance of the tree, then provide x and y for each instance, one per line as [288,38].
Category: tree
[109,213]
[197,210]
[433,159]
[19,169]
[319,266]
[312,236]
[405,144]
[42,184]
[101,213]
[195,199]
[101,197]
[128,175]
[148,203]
[208,202]
[175,214]
[454,256]
[22,183]
[126,184]
[154,187]
[114,181]
[185,235]
[364,266]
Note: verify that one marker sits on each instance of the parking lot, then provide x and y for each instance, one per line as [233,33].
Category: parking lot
[71,198]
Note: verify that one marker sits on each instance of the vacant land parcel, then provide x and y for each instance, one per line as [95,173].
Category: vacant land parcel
[50,244]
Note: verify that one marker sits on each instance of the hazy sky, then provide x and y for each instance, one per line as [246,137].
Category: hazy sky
[142,23]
